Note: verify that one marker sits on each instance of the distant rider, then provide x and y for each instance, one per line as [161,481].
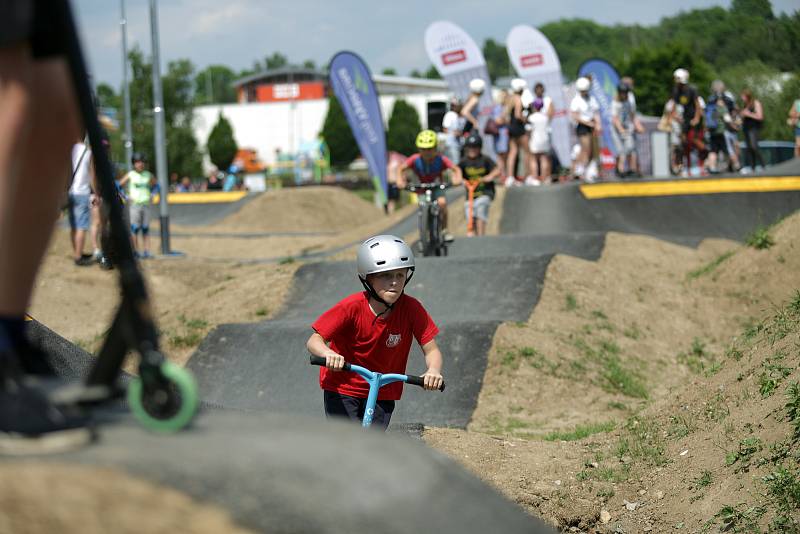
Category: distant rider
[479,172]
[429,166]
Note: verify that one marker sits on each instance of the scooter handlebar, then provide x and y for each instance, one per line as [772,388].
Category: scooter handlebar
[412,379]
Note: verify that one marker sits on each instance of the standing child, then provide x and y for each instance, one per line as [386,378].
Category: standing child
[374,329]
[479,172]
[140,183]
[540,142]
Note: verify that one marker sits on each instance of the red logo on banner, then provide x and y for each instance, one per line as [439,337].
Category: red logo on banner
[456,56]
[532,60]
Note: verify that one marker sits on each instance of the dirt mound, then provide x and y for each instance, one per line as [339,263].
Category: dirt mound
[323,209]
[48,497]
[588,408]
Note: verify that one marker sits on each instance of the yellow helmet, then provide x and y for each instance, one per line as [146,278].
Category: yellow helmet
[427,139]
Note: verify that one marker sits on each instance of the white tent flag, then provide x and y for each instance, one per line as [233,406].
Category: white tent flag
[536,61]
[459,60]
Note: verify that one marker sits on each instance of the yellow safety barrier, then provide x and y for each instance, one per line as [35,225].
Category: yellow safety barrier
[690,187]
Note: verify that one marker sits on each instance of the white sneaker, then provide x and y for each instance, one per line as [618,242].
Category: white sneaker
[684,174]
[530,180]
[511,181]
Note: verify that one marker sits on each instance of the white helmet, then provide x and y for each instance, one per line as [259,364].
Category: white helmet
[384,253]
[583,84]
[518,84]
[477,85]
[681,75]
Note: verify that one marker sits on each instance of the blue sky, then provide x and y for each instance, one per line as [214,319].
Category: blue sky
[387,34]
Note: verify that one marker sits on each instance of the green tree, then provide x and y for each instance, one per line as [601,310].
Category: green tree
[389,72]
[310,64]
[276,61]
[432,73]
[221,145]
[183,155]
[214,84]
[338,136]
[404,125]
[652,68]
[497,60]
[178,94]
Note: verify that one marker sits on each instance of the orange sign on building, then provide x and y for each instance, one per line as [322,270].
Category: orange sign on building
[290,91]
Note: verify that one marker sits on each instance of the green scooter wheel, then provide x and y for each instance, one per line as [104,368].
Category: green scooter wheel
[170,405]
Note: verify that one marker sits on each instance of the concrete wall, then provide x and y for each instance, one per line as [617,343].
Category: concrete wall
[267,126]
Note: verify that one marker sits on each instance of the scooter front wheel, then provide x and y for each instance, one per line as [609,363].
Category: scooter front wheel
[169,404]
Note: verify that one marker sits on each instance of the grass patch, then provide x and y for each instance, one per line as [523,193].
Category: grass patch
[783,491]
[188,340]
[698,359]
[703,480]
[620,379]
[772,374]
[793,407]
[709,267]
[759,239]
[287,260]
[605,474]
[262,312]
[632,332]
[642,440]
[744,454]
[580,432]
[739,518]
[571,303]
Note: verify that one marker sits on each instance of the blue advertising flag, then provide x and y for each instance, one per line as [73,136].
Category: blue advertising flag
[352,84]
[604,88]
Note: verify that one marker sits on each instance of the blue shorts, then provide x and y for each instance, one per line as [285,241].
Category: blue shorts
[501,140]
[79,212]
[797,131]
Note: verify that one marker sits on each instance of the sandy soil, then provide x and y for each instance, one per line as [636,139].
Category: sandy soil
[628,352]
[47,498]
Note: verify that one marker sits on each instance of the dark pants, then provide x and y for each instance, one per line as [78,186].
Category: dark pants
[752,153]
[337,405]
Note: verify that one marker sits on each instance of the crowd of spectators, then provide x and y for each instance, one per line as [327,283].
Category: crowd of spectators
[706,134]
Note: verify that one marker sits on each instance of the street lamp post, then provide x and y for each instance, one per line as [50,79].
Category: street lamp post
[128,139]
[158,118]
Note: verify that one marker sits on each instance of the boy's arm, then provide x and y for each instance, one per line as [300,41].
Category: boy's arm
[317,346]
[457,176]
[400,175]
[433,359]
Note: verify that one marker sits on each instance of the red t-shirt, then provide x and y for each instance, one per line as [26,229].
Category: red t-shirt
[381,345]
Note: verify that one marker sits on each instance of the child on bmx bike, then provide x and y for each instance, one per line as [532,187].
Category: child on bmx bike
[429,166]
[374,329]
[479,172]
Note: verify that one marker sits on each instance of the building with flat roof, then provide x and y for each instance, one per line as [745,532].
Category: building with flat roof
[280,109]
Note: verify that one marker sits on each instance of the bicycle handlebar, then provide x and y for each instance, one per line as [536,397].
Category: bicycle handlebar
[436,185]
[410,379]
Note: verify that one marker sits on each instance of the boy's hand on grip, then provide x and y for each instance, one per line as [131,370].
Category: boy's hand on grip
[433,379]
[334,361]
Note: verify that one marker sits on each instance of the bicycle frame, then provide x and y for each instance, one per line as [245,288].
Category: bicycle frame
[376,381]
[430,231]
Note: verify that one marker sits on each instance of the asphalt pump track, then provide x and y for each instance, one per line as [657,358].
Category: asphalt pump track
[265,452]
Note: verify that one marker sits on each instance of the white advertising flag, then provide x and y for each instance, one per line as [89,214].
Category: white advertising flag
[459,60]
[536,61]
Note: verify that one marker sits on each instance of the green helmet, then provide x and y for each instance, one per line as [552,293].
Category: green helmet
[427,139]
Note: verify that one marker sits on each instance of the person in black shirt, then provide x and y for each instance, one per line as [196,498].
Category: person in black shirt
[479,172]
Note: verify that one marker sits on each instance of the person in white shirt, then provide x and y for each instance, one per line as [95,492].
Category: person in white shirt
[585,113]
[539,122]
[80,192]
[453,127]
